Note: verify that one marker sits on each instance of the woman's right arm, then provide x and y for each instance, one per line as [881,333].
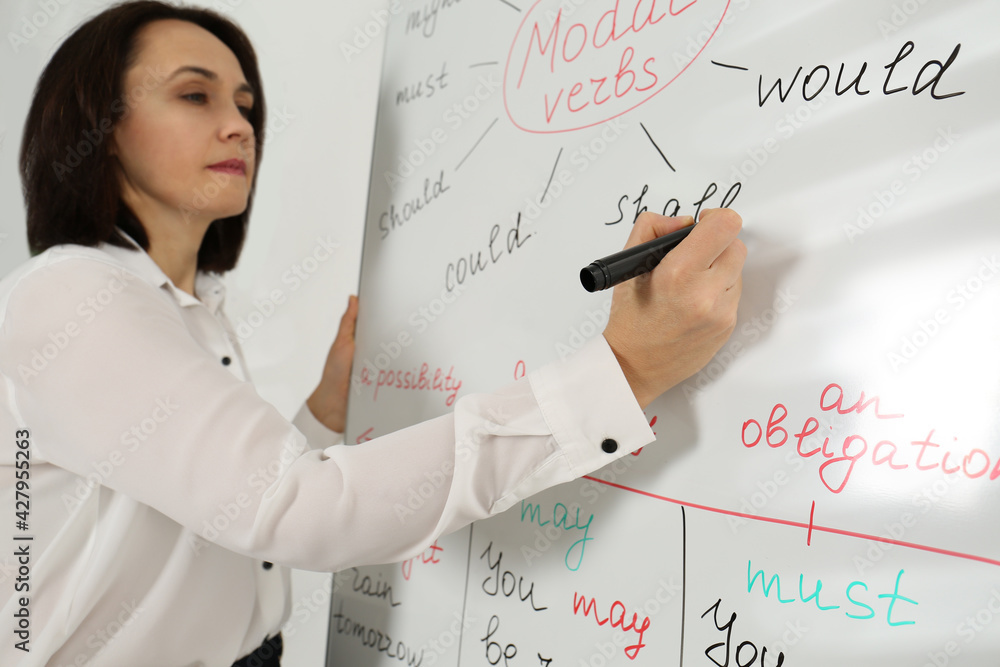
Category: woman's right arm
[183,435]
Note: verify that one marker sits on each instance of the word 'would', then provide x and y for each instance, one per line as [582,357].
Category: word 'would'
[816,80]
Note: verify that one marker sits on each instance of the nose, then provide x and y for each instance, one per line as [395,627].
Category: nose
[235,125]
[236,128]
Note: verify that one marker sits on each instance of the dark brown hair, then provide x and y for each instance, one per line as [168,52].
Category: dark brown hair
[69,178]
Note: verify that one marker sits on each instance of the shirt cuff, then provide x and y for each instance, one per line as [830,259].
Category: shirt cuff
[317,434]
[591,412]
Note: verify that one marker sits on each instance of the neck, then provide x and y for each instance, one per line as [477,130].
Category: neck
[174,241]
[177,257]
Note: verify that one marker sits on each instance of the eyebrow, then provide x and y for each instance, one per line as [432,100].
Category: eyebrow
[210,75]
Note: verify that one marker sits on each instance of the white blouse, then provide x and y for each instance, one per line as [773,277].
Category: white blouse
[158,481]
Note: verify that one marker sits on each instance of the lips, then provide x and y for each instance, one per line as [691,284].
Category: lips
[230,167]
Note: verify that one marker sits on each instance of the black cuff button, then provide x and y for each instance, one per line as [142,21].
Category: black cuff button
[267,565]
[226,361]
[609,446]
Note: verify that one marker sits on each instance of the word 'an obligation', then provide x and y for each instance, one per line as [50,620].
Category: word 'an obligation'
[840,459]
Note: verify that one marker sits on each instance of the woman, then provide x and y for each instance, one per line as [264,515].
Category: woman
[162,488]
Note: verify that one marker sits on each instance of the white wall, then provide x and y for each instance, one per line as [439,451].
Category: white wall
[313,183]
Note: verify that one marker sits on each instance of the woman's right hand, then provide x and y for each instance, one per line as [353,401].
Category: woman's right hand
[664,326]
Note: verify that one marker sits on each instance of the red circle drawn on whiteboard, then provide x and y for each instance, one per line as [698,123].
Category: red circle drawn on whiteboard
[612,111]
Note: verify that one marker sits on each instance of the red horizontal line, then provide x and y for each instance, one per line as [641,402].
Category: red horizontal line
[799,524]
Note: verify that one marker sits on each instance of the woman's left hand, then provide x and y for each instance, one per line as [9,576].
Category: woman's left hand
[328,402]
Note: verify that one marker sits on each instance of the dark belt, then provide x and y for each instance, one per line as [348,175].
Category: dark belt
[267,654]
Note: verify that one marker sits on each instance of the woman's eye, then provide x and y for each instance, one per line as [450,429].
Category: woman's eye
[201,98]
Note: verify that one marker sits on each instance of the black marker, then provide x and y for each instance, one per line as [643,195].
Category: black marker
[628,264]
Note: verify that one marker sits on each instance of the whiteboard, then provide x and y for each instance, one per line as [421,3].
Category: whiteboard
[824,491]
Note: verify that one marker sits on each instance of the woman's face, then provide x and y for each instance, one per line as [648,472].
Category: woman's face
[189,103]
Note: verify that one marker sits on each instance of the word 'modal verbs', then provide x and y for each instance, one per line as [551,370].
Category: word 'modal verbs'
[562,75]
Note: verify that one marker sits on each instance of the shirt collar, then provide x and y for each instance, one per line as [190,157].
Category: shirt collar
[210,289]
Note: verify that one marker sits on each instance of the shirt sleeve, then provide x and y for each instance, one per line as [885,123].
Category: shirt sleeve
[131,387]
[315,431]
